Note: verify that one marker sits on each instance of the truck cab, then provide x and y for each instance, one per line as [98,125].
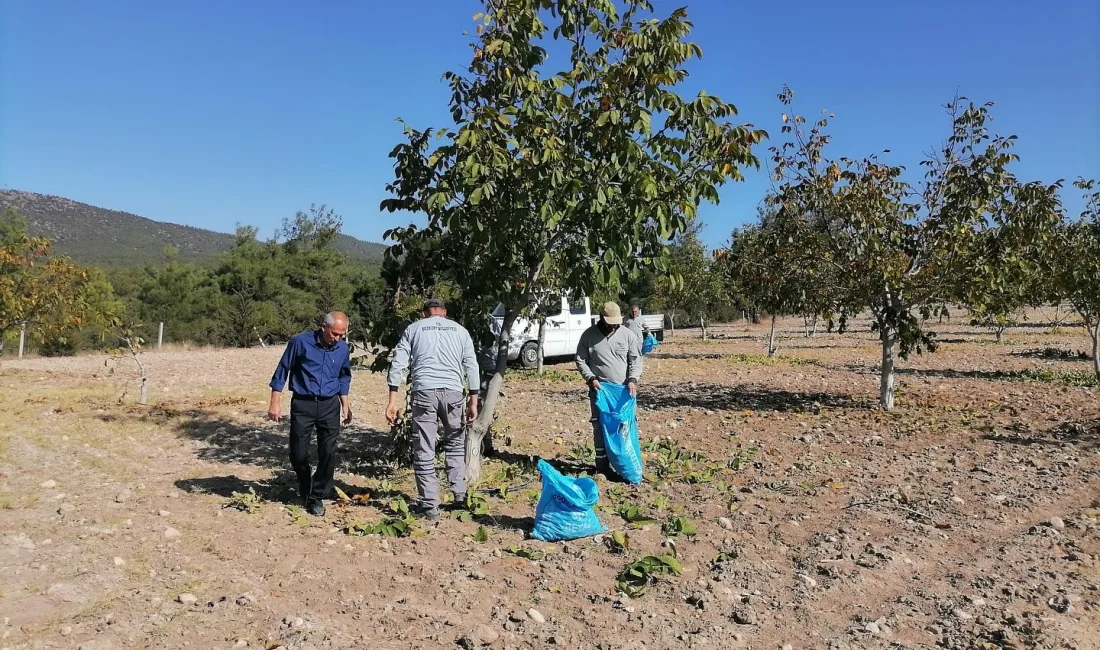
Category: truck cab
[566,320]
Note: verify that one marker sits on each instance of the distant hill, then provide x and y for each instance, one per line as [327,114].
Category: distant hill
[114,239]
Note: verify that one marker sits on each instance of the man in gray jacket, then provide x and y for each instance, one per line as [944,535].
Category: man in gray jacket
[439,353]
[608,352]
[634,323]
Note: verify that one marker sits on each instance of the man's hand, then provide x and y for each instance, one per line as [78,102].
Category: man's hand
[633,388]
[471,409]
[345,408]
[595,384]
[391,408]
[274,409]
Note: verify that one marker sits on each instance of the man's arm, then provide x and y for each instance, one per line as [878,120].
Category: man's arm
[582,362]
[278,381]
[469,362]
[345,388]
[399,371]
[634,363]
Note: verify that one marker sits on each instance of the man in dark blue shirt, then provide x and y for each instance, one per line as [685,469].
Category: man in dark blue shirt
[318,365]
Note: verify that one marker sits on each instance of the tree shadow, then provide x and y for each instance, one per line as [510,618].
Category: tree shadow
[527,465]
[724,397]
[987,375]
[359,449]
[1083,434]
[721,336]
[281,488]
[1057,354]
[507,522]
[685,355]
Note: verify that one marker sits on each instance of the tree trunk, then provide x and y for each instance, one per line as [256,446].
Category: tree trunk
[476,433]
[1000,330]
[703,326]
[143,394]
[672,323]
[542,342]
[772,347]
[886,378]
[813,327]
[1095,332]
[755,316]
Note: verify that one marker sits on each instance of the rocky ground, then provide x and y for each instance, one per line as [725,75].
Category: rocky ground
[801,515]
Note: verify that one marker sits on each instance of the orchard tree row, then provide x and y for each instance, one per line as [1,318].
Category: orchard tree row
[585,174]
[843,236]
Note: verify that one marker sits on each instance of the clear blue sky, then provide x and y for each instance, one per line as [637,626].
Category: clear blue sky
[209,113]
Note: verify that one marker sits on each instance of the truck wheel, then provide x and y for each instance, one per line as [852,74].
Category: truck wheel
[529,355]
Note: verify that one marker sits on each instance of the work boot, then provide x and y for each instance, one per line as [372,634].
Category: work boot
[421,511]
[603,467]
[460,501]
[316,508]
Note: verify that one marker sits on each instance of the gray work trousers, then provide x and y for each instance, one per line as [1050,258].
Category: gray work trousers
[430,408]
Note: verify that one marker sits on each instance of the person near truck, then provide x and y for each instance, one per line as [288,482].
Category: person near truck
[635,324]
[608,353]
[318,365]
[438,354]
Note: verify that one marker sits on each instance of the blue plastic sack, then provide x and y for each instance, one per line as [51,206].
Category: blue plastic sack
[565,507]
[619,423]
[649,344]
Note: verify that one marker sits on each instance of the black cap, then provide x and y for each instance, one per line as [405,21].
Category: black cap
[434,303]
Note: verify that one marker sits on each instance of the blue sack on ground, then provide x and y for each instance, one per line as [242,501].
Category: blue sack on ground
[619,422]
[565,507]
[649,344]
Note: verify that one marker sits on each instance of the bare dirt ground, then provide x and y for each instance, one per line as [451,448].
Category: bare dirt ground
[965,518]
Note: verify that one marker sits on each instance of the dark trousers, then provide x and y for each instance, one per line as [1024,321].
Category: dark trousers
[597,432]
[306,416]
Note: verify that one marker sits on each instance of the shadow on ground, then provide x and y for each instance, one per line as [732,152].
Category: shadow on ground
[1057,354]
[986,375]
[723,397]
[360,450]
[685,355]
[506,522]
[1081,434]
[282,488]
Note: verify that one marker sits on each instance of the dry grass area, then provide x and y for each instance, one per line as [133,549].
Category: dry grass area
[965,518]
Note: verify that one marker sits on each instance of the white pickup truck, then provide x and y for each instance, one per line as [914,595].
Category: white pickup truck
[566,320]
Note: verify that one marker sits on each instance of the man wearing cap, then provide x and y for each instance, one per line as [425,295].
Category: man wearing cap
[439,355]
[318,364]
[635,324]
[611,353]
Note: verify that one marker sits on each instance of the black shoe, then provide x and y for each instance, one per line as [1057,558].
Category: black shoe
[425,512]
[460,501]
[316,508]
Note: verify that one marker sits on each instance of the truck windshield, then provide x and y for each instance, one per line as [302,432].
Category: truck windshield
[551,306]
